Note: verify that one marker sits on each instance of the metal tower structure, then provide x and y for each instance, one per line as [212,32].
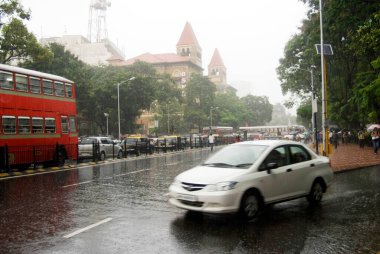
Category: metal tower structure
[97,29]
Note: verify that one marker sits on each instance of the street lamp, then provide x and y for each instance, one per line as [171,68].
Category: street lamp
[211,109]
[118,100]
[107,115]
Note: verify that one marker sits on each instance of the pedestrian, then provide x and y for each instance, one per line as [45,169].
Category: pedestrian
[375,140]
[151,145]
[361,138]
[211,141]
[334,139]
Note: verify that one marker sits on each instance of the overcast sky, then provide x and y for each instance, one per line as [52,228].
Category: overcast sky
[249,34]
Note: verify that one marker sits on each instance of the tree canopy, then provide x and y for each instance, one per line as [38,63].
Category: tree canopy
[352,28]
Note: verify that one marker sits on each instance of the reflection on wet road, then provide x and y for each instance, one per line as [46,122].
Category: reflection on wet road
[122,208]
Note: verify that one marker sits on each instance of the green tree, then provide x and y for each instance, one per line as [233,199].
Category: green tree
[199,97]
[15,40]
[348,27]
[258,110]
[230,110]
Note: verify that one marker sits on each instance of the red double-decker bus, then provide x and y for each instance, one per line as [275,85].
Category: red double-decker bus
[38,119]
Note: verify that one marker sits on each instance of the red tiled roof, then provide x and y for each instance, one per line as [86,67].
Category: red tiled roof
[158,58]
[188,36]
[216,59]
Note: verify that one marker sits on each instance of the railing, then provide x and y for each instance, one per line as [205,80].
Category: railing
[23,157]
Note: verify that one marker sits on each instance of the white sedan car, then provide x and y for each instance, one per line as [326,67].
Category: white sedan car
[243,177]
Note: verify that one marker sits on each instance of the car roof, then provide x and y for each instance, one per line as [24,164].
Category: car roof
[269,142]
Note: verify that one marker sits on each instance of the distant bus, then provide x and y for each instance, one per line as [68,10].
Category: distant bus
[219,131]
[38,118]
[275,130]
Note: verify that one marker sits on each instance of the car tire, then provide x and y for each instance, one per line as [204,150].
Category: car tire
[137,152]
[102,156]
[316,193]
[250,205]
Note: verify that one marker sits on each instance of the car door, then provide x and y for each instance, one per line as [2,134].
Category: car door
[274,185]
[300,167]
[107,146]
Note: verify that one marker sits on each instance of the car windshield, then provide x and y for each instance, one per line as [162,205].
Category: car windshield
[132,140]
[239,156]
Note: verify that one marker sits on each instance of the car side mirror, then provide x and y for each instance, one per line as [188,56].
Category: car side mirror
[270,166]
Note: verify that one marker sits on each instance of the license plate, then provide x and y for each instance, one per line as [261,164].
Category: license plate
[186,197]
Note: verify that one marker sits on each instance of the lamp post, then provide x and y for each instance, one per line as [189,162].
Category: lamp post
[324,109]
[107,115]
[211,109]
[118,101]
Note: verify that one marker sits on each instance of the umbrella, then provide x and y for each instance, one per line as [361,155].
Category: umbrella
[373,126]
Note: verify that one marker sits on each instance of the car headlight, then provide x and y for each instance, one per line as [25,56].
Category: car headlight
[223,186]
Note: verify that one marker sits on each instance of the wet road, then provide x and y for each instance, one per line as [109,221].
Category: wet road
[122,208]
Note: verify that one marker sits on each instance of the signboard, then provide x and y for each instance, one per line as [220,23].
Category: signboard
[314,105]
[327,49]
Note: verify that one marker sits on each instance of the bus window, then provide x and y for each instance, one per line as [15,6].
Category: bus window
[37,125]
[35,85]
[49,125]
[64,124]
[9,124]
[73,126]
[21,83]
[69,90]
[58,89]
[24,125]
[6,80]
[47,86]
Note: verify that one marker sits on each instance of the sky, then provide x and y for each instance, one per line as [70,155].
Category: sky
[250,34]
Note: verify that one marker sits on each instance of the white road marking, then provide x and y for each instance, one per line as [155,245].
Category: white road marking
[87,228]
[75,184]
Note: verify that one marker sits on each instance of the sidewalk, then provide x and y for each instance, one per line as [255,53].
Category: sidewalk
[351,156]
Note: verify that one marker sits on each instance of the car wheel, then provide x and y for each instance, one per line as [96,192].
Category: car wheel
[137,152]
[102,156]
[316,193]
[250,205]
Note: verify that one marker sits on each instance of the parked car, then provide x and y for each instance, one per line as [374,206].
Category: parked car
[107,148]
[243,177]
[135,145]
